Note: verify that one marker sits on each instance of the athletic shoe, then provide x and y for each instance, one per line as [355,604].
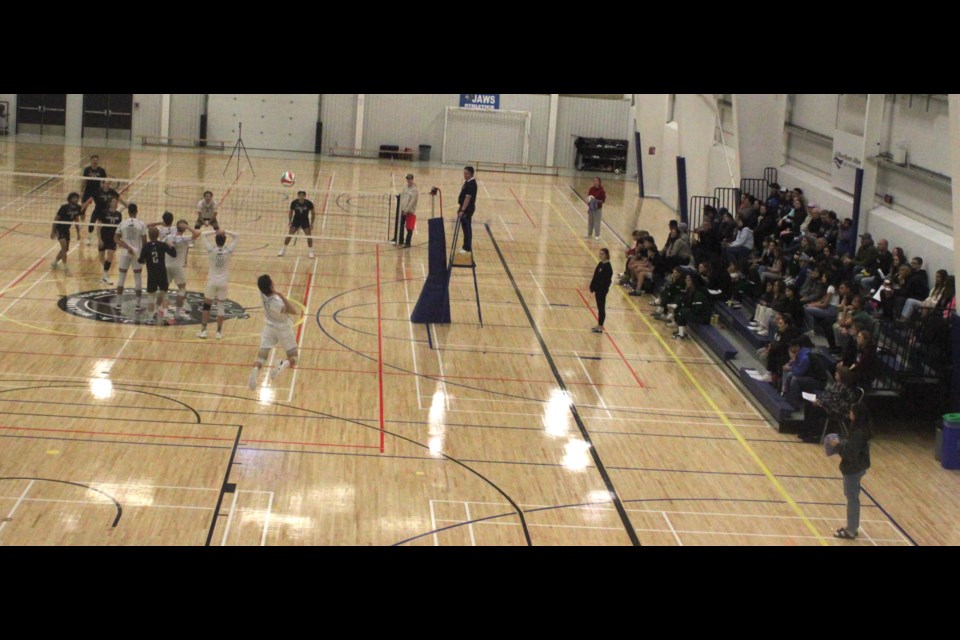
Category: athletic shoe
[763,333]
[252,380]
[202,334]
[766,377]
[219,335]
[275,372]
[753,323]
[105,280]
[282,251]
[671,323]
[312,256]
[463,251]
[597,329]
[596,237]
[53,267]
[677,336]
[636,292]
[66,270]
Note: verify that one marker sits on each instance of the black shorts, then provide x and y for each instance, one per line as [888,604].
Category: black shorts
[212,221]
[157,281]
[300,222]
[108,238]
[63,232]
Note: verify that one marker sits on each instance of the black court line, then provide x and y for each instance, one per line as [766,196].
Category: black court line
[73,385]
[116,502]
[595,504]
[884,511]
[223,486]
[631,533]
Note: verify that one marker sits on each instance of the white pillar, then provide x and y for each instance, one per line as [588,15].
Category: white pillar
[358,131]
[954,111]
[164,115]
[872,130]
[552,128]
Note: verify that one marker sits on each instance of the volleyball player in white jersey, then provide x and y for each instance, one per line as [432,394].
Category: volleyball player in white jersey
[207,213]
[278,313]
[219,256]
[180,237]
[130,236]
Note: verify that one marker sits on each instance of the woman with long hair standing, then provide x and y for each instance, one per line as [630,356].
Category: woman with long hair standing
[854,453]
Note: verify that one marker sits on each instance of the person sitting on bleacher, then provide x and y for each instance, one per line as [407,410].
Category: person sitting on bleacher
[694,307]
[814,224]
[848,352]
[706,244]
[742,246]
[831,229]
[824,312]
[846,240]
[766,222]
[676,252]
[773,199]
[930,302]
[916,287]
[866,254]
[866,366]
[774,267]
[728,227]
[638,236]
[813,287]
[790,226]
[870,278]
[764,313]
[833,403]
[798,374]
[775,354]
[669,298]
[749,210]
[858,313]
[843,305]
[715,278]
[641,268]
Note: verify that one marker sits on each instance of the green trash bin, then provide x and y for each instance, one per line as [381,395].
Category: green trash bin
[950,458]
[425,152]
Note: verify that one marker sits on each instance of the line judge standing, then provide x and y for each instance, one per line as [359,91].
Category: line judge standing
[467,202]
[408,212]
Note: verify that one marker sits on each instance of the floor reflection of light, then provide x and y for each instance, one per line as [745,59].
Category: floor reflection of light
[266,395]
[556,413]
[600,495]
[101,388]
[437,422]
[576,456]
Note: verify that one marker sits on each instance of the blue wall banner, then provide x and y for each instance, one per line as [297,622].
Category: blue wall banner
[480,100]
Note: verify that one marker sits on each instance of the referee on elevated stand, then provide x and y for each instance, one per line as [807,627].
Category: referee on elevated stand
[467,201]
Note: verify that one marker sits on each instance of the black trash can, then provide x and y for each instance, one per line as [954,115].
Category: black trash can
[425,153]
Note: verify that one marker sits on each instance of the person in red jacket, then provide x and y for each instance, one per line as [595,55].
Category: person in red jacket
[595,199]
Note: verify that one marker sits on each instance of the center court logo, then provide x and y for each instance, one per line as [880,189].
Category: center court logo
[99,305]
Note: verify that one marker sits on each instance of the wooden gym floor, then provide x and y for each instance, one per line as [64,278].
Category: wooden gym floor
[529,430]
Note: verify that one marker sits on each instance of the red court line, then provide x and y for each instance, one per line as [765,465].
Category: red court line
[380,351]
[24,275]
[314,444]
[10,230]
[227,194]
[612,341]
[510,189]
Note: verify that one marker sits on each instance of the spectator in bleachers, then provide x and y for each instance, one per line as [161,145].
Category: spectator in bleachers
[706,242]
[676,251]
[694,307]
[775,293]
[669,297]
[773,199]
[875,271]
[814,225]
[633,252]
[790,306]
[790,225]
[858,313]
[831,229]
[715,279]
[776,268]
[844,305]
[834,404]
[866,367]
[641,270]
[775,354]
[740,284]
[749,211]
[916,287]
[930,302]
[898,253]
[766,222]
[866,255]
[800,374]
[812,288]
[728,228]
[742,246]
[848,353]
[824,312]
[846,240]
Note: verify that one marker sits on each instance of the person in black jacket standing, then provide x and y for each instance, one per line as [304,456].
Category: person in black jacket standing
[600,285]
[854,461]
[467,202]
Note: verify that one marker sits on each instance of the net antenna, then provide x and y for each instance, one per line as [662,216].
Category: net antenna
[237,148]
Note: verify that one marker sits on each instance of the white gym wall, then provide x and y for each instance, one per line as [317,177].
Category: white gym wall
[283,122]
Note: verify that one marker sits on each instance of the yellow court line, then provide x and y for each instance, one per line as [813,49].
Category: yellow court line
[713,405]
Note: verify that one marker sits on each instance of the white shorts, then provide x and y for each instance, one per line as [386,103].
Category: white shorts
[272,336]
[126,260]
[175,274]
[215,292]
